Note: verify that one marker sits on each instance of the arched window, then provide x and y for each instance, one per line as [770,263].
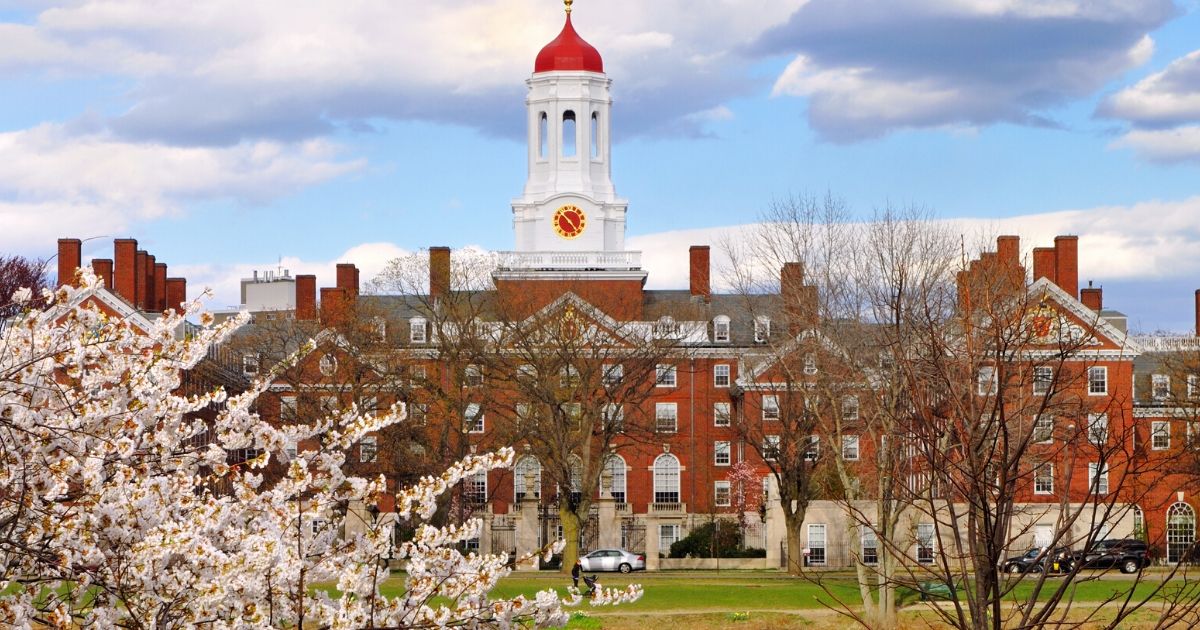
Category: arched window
[1139,523]
[616,468]
[666,479]
[1181,531]
[568,134]
[543,134]
[527,466]
[595,134]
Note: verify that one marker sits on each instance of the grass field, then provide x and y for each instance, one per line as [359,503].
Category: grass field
[750,600]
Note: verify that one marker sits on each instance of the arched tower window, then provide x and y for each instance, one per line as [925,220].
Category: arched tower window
[1181,531]
[568,134]
[616,468]
[666,479]
[543,134]
[595,134]
[527,466]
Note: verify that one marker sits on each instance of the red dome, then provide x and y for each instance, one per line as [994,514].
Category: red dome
[568,52]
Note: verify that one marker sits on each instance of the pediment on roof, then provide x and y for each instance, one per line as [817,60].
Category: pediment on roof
[570,316]
[106,302]
[774,365]
[1056,320]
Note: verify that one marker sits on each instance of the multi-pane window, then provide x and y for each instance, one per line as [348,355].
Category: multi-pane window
[721,414]
[573,412]
[1160,435]
[721,494]
[1097,380]
[288,411]
[616,468]
[1098,428]
[380,329]
[568,376]
[721,329]
[770,407]
[1043,428]
[418,413]
[810,364]
[925,543]
[850,447]
[816,544]
[770,448]
[870,546]
[368,449]
[721,375]
[417,330]
[762,329]
[1098,478]
[475,490]
[1043,479]
[527,478]
[250,365]
[986,380]
[666,479]
[813,448]
[473,376]
[667,535]
[613,374]
[291,449]
[473,418]
[666,417]
[664,375]
[1193,386]
[416,375]
[614,417]
[722,454]
[1160,386]
[1043,377]
[328,365]
[850,408]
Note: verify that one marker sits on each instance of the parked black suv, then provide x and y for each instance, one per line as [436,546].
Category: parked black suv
[1127,554]
[1030,562]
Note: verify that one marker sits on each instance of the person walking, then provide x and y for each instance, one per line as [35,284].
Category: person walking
[575,571]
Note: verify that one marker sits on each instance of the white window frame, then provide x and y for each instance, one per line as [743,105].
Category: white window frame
[613,415]
[770,447]
[1097,484]
[1160,429]
[850,408]
[812,449]
[417,330]
[850,450]
[473,376]
[722,447]
[926,553]
[770,407]
[1193,386]
[418,412]
[664,411]
[1043,473]
[475,488]
[1098,428]
[1043,425]
[668,534]
[719,499]
[986,380]
[1043,378]
[368,450]
[667,475]
[1160,386]
[868,535]
[810,364]
[251,364]
[722,375]
[612,374]
[722,414]
[666,375]
[762,329]
[1097,380]
[473,422]
[721,329]
[817,533]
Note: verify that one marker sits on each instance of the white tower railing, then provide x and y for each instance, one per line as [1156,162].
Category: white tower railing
[574,261]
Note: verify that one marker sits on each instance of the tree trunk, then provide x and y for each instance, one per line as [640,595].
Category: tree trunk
[571,525]
[795,543]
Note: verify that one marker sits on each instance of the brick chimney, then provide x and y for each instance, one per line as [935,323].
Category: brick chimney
[1008,250]
[799,299]
[139,277]
[103,268]
[70,252]
[334,301]
[1092,297]
[1044,264]
[151,291]
[125,268]
[176,294]
[306,297]
[347,278]
[160,286]
[439,272]
[1066,264]
[699,274]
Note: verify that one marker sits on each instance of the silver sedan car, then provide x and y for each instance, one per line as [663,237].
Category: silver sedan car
[613,560]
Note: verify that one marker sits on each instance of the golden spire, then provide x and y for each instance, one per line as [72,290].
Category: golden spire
[568,3]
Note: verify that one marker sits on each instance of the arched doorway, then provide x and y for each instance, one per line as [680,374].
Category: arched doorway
[1181,531]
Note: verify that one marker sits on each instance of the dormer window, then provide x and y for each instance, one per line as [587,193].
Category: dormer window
[380,329]
[762,329]
[416,330]
[721,329]
[250,365]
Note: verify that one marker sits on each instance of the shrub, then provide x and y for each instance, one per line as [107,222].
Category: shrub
[699,542]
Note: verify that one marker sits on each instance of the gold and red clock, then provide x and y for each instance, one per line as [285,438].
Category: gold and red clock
[569,221]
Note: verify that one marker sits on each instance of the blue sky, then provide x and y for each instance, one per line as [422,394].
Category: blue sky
[225,136]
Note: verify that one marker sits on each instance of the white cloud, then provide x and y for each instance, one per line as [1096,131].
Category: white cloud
[1163,110]
[1177,144]
[53,182]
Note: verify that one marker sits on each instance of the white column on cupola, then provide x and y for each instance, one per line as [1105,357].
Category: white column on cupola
[569,108]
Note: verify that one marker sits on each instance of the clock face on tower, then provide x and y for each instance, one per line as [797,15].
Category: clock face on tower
[569,221]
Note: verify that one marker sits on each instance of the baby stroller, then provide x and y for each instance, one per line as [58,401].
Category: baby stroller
[590,582]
